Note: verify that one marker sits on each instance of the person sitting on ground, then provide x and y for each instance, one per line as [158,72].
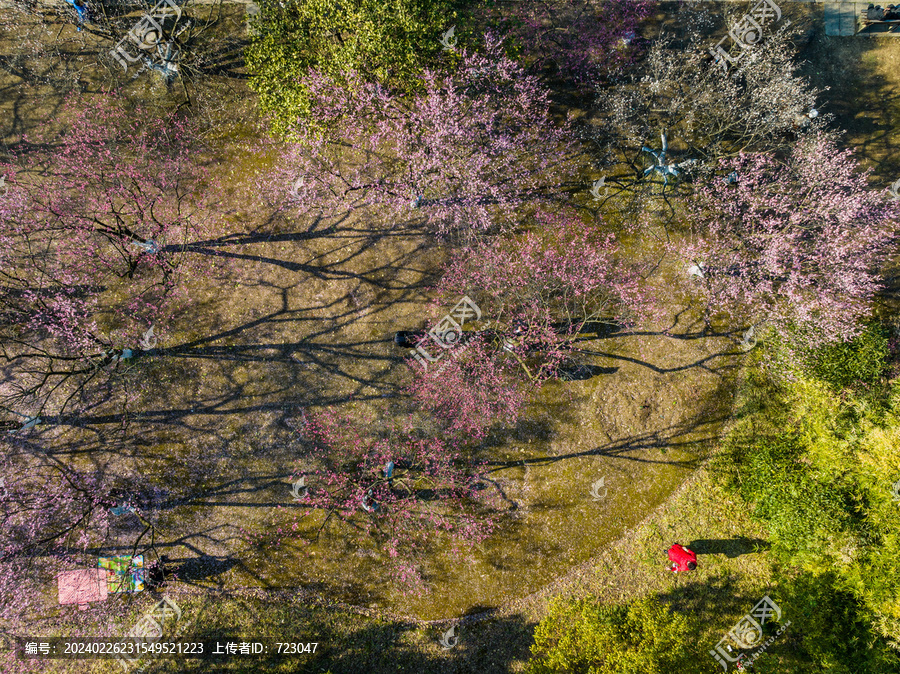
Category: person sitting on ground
[682,558]
[156,573]
[409,338]
[874,13]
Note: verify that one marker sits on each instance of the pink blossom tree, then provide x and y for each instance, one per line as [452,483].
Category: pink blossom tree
[120,187]
[794,243]
[480,384]
[579,40]
[47,516]
[38,290]
[403,490]
[47,506]
[51,516]
[541,289]
[93,228]
[477,146]
[560,269]
[48,311]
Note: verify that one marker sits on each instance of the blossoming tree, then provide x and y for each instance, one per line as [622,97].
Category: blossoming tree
[93,228]
[579,40]
[793,242]
[404,491]
[463,157]
[541,289]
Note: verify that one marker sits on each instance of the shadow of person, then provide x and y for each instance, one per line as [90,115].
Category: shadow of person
[731,548]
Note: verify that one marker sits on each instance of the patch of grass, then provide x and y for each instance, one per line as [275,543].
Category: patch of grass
[859,361]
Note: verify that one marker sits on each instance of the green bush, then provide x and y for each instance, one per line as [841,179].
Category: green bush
[586,637]
[861,360]
[802,510]
[828,625]
[817,469]
[388,41]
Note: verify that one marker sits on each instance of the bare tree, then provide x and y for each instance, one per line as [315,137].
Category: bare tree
[706,111]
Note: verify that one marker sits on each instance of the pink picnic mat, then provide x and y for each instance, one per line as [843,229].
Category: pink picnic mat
[82,586]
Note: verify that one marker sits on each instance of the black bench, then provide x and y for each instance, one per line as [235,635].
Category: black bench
[873,16]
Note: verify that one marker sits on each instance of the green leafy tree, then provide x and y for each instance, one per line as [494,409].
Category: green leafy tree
[831,628]
[586,637]
[804,510]
[391,41]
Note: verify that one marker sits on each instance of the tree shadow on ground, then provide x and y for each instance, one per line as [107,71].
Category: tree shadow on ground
[667,438]
[714,599]
[349,643]
[201,568]
[731,548]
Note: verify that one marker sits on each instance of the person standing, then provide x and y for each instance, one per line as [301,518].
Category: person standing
[157,573]
[682,558]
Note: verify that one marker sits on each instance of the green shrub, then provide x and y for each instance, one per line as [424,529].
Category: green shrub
[817,469]
[803,510]
[861,360]
[586,637]
[827,623]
